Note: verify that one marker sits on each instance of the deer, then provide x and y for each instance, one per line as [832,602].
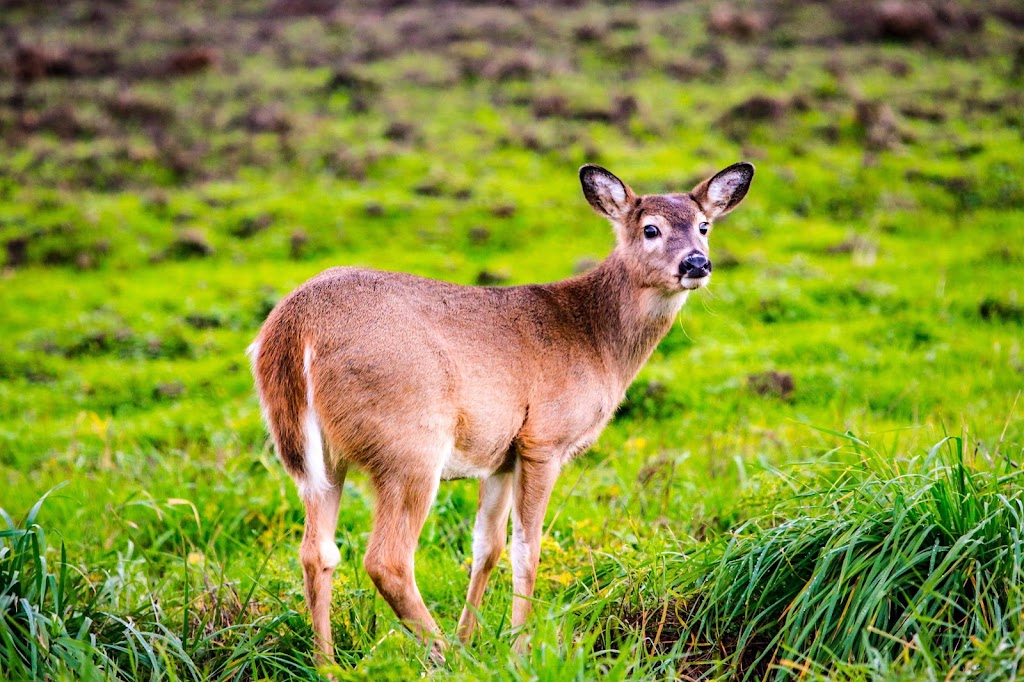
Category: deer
[415,381]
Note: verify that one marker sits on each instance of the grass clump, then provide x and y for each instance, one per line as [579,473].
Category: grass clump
[38,630]
[62,621]
[893,565]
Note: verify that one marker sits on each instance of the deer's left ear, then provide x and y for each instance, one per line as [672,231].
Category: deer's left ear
[723,191]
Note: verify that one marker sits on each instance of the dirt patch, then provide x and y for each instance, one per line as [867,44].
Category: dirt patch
[509,67]
[585,264]
[400,131]
[879,127]
[203,321]
[34,63]
[252,225]
[270,118]
[297,244]
[190,244]
[627,54]
[900,68]
[996,310]
[853,244]
[217,610]
[479,235]
[491,278]
[503,210]
[589,32]
[685,69]
[959,18]
[62,120]
[714,58]
[759,109]
[964,189]
[618,111]
[127,106]
[923,113]
[649,399]
[772,384]
[906,21]
[346,78]
[664,625]
[1012,14]
[301,8]
[191,61]
[17,252]
[1017,69]
[549,106]
[171,390]
[726,260]
[521,54]
[728,21]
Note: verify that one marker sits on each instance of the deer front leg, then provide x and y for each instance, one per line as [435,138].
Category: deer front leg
[489,537]
[533,481]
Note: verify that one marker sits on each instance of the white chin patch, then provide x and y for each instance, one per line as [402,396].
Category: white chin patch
[694,282]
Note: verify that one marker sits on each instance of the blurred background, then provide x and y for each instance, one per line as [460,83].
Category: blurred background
[169,170]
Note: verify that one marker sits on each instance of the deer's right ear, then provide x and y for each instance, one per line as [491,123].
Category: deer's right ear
[609,196]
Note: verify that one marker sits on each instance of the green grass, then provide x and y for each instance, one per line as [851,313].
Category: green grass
[143,250]
[898,564]
[60,621]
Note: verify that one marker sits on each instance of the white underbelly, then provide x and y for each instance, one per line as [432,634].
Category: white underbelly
[458,466]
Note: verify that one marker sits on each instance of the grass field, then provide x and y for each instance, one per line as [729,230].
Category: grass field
[769,500]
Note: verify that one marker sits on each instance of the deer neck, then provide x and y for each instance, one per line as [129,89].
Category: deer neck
[624,318]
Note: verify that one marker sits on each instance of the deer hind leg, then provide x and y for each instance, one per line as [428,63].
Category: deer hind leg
[489,537]
[533,482]
[319,555]
[402,506]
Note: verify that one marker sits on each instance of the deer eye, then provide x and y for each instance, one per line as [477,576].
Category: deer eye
[703,227]
[650,231]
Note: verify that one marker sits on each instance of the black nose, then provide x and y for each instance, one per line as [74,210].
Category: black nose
[695,265]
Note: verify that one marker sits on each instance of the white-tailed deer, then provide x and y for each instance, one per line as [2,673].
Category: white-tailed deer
[415,381]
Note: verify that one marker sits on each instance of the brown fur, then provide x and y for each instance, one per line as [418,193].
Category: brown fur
[414,380]
[278,372]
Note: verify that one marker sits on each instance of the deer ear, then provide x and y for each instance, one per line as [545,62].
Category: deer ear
[723,191]
[609,196]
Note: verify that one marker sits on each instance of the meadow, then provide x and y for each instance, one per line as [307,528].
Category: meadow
[815,476]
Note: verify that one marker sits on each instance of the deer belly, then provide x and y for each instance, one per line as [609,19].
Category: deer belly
[459,465]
